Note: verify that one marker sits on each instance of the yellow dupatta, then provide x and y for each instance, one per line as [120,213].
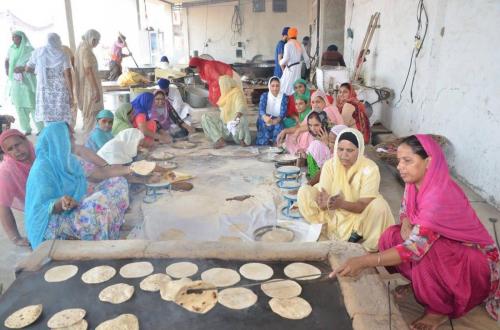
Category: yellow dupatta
[231,100]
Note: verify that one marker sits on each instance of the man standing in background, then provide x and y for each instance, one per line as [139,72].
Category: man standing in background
[278,54]
[115,65]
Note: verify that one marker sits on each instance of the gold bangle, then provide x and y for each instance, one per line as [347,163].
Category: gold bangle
[379,258]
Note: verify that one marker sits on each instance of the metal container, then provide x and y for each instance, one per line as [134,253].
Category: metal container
[197,97]
[112,100]
[263,69]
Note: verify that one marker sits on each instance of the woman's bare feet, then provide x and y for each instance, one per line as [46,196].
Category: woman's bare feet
[220,143]
[20,241]
[243,144]
[402,291]
[429,322]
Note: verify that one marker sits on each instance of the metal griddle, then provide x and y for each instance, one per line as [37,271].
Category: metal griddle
[328,311]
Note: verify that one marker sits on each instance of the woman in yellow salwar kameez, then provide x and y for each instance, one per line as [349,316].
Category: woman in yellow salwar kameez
[347,198]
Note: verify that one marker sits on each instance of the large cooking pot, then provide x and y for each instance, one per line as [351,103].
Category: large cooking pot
[263,69]
[196,96]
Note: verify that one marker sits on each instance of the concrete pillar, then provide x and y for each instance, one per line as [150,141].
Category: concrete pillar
[69,21]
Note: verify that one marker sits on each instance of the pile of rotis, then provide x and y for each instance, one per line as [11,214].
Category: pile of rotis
[175,285]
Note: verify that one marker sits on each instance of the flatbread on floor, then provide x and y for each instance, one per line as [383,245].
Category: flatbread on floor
[169,290]
[66,318]
[60,273]
[221,277]
[182,269]
[117,293]
[277,235]
[122,322]
[154,282]
[99,274]
[281,289]
[137,269]
[295,308]
[237,298]
[80,325]
[256,271]
[299,269]
[23,317]
[199,302]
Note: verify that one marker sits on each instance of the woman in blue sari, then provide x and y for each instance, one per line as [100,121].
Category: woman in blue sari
[102,131]
[58,204]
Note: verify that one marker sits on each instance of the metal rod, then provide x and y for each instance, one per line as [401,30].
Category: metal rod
[257,283]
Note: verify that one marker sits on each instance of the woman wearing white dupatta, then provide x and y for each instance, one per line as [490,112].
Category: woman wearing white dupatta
[272,111]
[122,148]
[54,92]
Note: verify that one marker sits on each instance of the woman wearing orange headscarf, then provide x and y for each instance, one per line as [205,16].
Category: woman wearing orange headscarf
[292,55]
[210,71]
[353,111]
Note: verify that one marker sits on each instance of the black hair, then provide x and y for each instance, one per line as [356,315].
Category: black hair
[306,38]
[321,117]
[415,145]
[346,85]
[274,79]
[349,136]
[332,48]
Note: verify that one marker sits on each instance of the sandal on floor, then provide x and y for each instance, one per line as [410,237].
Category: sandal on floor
[182,186]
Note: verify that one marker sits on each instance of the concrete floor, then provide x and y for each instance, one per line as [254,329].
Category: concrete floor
[390,188]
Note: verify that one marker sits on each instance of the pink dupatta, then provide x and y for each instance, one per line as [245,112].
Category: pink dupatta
[13,175]
[331,110]
[440,205]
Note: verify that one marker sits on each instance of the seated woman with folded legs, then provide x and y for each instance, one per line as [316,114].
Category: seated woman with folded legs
[166,117]
[347,198]
[320,102]
[231,123]
[441,246]
[18,158]
[137,114]
[353,110]
[101,132]
[58,205]
[272,111]
[297,137]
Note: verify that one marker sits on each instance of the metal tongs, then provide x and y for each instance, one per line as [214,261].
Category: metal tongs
[322,278]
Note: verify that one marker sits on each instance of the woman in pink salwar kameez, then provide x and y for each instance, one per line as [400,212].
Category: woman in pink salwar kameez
[441,246]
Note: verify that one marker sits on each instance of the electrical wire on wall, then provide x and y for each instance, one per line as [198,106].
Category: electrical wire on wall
[419,41]
[236,22]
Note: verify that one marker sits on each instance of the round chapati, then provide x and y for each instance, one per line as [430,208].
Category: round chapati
[182,269]
[299,269]
[277,235]
[198,302]
[154,282]
[23,317]
[169,290]
[237,298]
[80,325]
[256,271]
[281,289]
[136,269]
[221,277]
[66,318]
[173,234]
[122,322]
[99,274]
[295,308]
[143,167]
[116,293]
[60,273]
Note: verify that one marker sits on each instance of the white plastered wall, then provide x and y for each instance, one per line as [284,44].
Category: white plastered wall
[456,89]
[260,31]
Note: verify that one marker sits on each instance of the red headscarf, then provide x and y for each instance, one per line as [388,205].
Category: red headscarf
[13,174]
[359,115]
[210,71]
[440,204]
